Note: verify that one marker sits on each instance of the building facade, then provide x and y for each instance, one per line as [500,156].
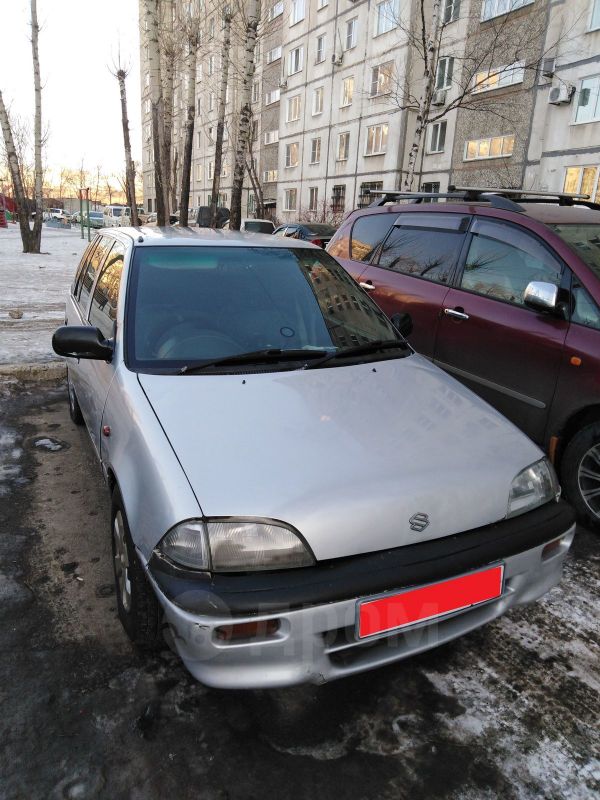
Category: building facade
[515,102]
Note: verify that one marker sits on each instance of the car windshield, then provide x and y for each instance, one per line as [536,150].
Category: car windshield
[192,304]
[584,239]
[324,230]
[95,214]
[117,212]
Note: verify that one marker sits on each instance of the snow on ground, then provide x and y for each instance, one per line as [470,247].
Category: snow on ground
[37,285]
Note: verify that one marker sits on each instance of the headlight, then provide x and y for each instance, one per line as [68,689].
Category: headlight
[235,546]
[533,486]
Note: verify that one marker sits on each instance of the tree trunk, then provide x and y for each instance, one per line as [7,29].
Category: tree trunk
[429,63]
[168,75]
[27,236]
[186,169]
[245,114]
[37,131]
[156,98]
[257,188]
[129,168]
[216,184]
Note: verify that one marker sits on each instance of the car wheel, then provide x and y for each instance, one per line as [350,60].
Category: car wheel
[580,473]
[74,409]
[137,605]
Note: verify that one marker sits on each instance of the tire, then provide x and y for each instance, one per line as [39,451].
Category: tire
[137,605]
[74,409]
[580,473]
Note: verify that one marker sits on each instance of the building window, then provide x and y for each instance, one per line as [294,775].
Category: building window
[317,101]
[320,56]
[290,199]
[583,180]
[272,97]
[376,139]
[595,18]
[211,170]
[343,147]
[199,138]
[588,100]
[211,65]
[255,91]
[274,54]
[198,172]
[271,137]
[494,8]
[381,79]
[499,77]
[295,60]
[495,147]
[269,176]
[147,105]
[338,198]
[291,154]
[351,31]
[443,75]
[211,28]
[433,187]
[387,16]
[347,91]
[149,206]
[365,198]
[315,151]
[313,198]
[210,132]
[293,108]
[451,10]
[297,11]
[437,137]
[199,106]
[275,11]
[211,101]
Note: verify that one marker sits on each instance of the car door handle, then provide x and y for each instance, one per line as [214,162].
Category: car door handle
[456,313]
[368,286]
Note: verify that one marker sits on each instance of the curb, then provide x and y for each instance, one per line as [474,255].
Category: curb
[40,371]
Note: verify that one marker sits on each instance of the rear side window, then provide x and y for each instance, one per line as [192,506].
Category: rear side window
[368,232]
[502,260]
[103,308]
[92,268]
[424,245]
[83,266]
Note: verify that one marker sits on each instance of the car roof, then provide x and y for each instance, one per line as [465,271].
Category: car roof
[173,236]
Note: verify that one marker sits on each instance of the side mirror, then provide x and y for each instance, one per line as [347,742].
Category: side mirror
[403,323]
[74,341]
[541,296]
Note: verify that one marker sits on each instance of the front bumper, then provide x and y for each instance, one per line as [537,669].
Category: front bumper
[316,640]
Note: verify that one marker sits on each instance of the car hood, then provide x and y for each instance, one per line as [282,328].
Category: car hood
[347,455]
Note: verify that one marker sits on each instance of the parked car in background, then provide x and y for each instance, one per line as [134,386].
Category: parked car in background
[504,295]
[251,225]
[96,219]
[75,218]
[57,213]
[358,505]
[318,233]
[116,216]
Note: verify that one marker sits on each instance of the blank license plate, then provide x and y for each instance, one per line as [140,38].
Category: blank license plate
[397,611]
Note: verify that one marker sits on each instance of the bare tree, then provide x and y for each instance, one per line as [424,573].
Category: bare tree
[169,49]
[151,16]
[225,57]
[121,72]
[193,41]
[250,14]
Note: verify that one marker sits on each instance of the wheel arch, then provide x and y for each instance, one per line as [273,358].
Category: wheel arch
[580,419]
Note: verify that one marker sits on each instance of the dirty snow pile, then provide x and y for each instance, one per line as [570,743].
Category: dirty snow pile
[33,289]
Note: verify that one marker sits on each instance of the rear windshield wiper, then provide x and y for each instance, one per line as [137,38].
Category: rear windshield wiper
[255,357]
[359,350]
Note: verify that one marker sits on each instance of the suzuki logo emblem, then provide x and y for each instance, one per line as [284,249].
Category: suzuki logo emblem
[418,522]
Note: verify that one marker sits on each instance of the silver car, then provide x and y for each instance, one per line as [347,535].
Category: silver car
[296,494]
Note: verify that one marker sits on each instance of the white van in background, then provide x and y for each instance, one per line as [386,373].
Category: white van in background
[116,216]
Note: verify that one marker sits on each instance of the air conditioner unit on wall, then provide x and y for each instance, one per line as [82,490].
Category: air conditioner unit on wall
[548,66]
[559,95]
[283,83]
[337,59]
[439,98]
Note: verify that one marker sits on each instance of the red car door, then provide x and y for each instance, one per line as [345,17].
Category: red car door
[487,338]
[414,268]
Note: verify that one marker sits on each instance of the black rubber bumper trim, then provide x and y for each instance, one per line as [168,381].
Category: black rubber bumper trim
[359,576]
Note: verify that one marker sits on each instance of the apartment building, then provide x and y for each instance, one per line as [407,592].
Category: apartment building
[516,101]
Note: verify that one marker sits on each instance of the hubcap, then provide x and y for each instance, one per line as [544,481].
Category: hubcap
[122,562]
[589,479]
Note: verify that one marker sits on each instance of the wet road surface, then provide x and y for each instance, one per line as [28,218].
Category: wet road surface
[509,711]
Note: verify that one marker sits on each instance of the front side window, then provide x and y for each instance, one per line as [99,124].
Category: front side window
[494,8]
[495,147]
[583,239]
[368,232]
[584,310]
[347,91]
[424,246]
[376,139]
[587,107]
[387,16]
[351,30]
[502,261]
[315,150]
[97,257]
[103,308]
[195,304]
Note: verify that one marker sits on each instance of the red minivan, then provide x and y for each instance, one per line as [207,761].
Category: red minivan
[504,293]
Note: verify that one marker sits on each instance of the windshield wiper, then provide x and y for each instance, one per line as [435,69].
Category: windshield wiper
[255,357]
[359,350]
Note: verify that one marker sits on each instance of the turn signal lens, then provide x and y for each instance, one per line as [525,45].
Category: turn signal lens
[247,630]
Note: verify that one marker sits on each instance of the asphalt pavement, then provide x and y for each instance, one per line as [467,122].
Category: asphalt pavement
[510,711]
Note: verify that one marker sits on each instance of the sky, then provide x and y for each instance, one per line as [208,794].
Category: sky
[81,109]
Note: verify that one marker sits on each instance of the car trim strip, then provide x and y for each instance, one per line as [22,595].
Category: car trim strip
[530,401]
